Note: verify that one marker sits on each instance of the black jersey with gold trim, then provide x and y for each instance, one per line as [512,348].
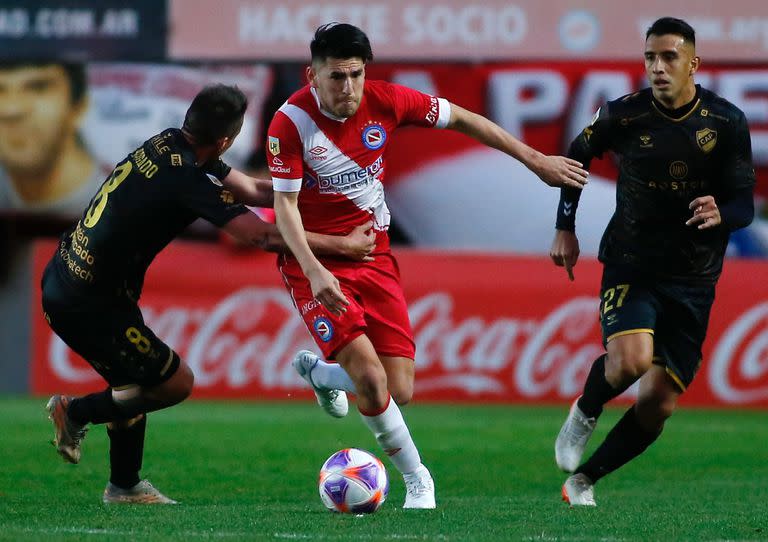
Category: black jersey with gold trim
[148,199]
[666,160]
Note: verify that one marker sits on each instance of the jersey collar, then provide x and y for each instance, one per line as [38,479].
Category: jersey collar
[682,112]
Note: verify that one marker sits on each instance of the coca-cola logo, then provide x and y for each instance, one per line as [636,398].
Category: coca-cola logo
[249,338]
[738,371]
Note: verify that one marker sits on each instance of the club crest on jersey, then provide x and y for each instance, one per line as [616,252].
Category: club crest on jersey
[323,328]
[274,145]
[706,139]
[374,136]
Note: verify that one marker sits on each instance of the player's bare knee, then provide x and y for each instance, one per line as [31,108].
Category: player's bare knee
[624,368]
[184,382]
[401,398]
[401,394]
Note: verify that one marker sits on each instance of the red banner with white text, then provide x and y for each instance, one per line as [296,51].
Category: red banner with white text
[488,328]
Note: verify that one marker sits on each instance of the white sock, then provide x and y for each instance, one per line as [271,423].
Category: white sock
[331,376]
[393,436]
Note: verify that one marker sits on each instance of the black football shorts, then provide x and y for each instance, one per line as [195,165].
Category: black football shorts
[675,313]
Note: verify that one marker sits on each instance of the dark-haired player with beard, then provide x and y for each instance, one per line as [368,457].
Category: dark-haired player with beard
[91,286]
[685,182]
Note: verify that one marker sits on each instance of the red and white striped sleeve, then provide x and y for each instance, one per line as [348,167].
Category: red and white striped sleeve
[285,154]
[419,109]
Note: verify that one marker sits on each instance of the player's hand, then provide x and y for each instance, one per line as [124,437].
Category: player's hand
[705,213]
[360,242]
[560,171]
[326,289]
[565,250]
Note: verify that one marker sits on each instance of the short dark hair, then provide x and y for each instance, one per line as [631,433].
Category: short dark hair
[671,25]
[75,73]
[217,111]
[340,40]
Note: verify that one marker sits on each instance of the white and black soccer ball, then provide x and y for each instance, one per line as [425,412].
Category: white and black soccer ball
[353,481]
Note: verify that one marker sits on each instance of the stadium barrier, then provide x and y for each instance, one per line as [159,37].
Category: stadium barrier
[496,328]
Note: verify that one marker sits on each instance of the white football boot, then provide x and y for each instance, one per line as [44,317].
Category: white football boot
[419,489]
[572,439]
[142,493]
[578,490]
[334,402]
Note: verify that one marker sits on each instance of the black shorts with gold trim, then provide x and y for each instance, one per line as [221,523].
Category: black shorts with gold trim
[675,313]
[108,332]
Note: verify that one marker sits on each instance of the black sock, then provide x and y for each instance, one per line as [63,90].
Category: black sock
[597,390]
[126,450]
[625,441]
[95,408]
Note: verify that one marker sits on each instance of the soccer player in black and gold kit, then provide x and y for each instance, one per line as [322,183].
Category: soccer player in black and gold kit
[92,285]
[685,182]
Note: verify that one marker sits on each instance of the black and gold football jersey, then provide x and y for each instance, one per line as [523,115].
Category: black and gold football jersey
[148,199]
[666,160]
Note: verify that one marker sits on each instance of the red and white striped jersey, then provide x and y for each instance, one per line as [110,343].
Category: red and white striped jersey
[337,165]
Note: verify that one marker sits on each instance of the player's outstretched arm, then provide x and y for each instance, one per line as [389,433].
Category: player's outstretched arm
[249,190]
[249,229]
[325,287]
[553,170]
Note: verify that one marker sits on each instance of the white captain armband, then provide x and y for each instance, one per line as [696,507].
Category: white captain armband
[286,185]
[444,113]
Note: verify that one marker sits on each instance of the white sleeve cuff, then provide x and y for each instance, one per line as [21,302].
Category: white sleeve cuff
[286,185]
[444,115]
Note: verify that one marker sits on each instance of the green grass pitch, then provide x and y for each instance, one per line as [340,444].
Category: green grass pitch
[248,471]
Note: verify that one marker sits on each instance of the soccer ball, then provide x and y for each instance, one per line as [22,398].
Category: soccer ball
[353,481]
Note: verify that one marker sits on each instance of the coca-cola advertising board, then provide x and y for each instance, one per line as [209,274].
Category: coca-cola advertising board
[488,328]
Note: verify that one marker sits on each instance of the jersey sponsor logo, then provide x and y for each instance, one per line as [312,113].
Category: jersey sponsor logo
[684,188]
[706,139]
[645,142]
[318,152]
[175,159]
[274,145]
[434,111]
[279,169]
[276,161]
[678,170]
[214,179]
[323,328]
[350,179]
[374,136]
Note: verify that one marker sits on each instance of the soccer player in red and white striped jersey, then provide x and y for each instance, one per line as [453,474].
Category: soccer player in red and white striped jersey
[326,148]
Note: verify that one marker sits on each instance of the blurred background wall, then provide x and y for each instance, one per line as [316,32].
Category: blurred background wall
[84,83]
